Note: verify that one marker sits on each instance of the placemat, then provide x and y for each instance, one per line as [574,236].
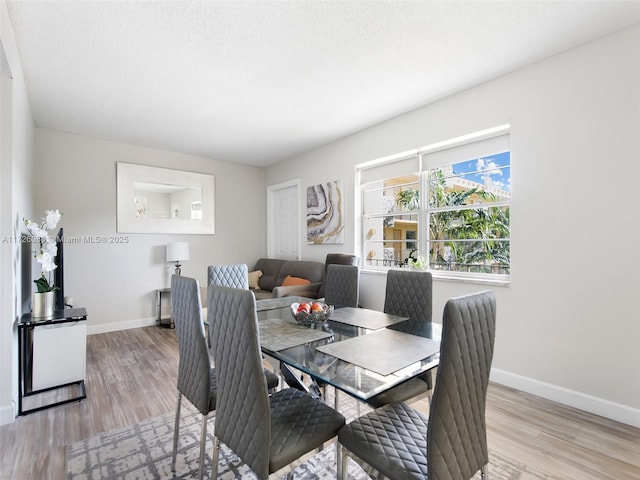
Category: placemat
[363,317]
[277,334]
[384,352]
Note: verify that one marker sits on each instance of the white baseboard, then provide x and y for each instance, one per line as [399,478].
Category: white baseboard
[7,414]
[599,406]
[115,326]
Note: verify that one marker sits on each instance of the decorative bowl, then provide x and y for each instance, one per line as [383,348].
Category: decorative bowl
[311,317]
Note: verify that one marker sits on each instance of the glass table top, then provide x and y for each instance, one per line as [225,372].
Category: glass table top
[300,350]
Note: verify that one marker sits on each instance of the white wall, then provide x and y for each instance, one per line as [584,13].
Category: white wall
[116,282]
[16,139]
[568,325]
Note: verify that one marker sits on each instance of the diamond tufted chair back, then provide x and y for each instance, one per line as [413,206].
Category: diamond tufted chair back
[336,259]
[342,285]
[244,426]
[456,434]
[236,275]
[233,276]
[194,365]
[196,378]
[266,432]
[409,294]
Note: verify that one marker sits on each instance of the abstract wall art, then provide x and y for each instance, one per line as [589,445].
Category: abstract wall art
[325,221]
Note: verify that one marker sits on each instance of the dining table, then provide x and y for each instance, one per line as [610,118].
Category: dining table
[358,351]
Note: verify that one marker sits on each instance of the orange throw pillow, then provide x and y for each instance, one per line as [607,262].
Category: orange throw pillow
[289,280]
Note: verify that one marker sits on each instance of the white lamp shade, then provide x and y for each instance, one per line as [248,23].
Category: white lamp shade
[177,252]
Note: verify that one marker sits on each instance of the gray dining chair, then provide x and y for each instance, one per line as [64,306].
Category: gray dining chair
[336,259]
[400,443]
[408,293]
[341,288]
[342,285]
[196,378]
[268,432]
[233,275]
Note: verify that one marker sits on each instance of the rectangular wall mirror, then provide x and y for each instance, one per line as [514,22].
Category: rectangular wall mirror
[162,200]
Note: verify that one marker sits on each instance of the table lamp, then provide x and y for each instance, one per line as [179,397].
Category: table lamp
[177,252]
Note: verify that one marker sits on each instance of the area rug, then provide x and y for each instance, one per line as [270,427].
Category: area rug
[143,452]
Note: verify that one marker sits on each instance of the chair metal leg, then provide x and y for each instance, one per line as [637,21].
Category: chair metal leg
[484,472]
[339,475]
[176,427]
[342,462]
[214,460]
[203,443]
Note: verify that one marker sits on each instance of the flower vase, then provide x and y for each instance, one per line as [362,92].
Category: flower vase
[43,305]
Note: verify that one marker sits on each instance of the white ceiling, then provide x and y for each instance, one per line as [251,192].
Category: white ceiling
[259,82]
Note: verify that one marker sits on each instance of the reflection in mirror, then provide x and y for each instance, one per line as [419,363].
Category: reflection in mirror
[160,200]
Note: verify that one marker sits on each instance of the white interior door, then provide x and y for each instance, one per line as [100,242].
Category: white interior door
[283,214]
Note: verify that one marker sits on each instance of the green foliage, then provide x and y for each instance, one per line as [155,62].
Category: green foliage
[485,224]
[42,284]
[408,199]
[452,232]
[419,262]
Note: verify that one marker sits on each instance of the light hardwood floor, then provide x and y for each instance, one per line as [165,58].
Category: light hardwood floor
[131,376]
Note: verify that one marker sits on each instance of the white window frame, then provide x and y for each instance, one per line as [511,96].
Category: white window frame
[429,157]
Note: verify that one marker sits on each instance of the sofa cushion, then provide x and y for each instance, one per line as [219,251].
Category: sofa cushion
[312,271]
[254,277]
[270,269]
[262,294]
[289,280]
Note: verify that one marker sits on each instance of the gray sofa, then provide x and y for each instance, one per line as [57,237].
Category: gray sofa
[274,272]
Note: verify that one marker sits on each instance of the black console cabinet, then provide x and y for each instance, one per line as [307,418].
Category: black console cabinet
[51,356]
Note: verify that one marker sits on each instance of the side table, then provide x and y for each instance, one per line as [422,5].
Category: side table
[52,355]
[163,295]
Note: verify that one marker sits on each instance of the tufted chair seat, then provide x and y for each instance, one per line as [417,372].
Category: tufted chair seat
[396,435]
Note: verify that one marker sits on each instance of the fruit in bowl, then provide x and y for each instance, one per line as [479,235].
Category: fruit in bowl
[303,308]
[311,312]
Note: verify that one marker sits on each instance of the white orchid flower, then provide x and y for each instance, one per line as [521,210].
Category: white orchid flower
[52,218]
[45,255]
[35,230]
[50,247]
[46,260]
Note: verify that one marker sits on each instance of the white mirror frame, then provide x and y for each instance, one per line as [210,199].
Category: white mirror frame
[129,174]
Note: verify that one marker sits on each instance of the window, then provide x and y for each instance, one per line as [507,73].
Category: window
[391,211]
[196,210]
[445,205]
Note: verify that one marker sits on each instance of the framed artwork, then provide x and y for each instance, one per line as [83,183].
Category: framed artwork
[141,205]
[325,218]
